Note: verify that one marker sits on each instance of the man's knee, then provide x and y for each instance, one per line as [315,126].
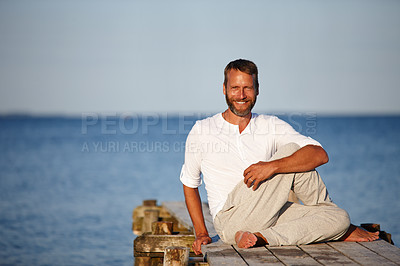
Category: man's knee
[285,151]
[342,222]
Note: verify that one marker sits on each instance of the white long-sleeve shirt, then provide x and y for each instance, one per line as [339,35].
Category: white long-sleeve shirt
[216,149]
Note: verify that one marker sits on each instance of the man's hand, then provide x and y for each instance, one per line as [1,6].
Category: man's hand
[200,240]
[305,159]
[257,173]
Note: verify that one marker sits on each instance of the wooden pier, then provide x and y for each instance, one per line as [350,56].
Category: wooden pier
[150,245]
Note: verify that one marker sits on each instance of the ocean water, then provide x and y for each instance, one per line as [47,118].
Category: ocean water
[68,185]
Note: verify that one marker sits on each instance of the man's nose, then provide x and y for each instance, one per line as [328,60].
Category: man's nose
[242,93]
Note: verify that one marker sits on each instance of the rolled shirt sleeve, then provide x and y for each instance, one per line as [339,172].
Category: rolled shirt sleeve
[191,169]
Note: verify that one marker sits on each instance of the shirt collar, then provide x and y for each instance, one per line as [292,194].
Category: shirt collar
[225,125]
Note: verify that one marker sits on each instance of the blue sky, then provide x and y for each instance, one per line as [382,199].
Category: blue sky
[72,57]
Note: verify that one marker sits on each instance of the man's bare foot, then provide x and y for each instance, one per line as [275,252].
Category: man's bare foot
[245,239]
[358,234]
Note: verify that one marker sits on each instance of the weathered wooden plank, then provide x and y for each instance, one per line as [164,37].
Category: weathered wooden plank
[179,211]
[148,254]
[157,243]
[149,202]
[176,256]
[292,255]
[162,228]
[139,213]
[142,261]
[360,253]
[219,253]
[150,216]
[212,246]
[326,254]
[384,249]
[258,256]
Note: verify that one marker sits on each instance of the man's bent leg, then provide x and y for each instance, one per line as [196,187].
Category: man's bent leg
[299,224]
[252,212]
[311,190]
[248,210]
[258,212]
[319,220]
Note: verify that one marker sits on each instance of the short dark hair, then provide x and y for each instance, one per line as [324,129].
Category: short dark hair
[245,66]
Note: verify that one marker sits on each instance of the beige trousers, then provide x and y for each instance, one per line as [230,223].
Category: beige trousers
[267,210]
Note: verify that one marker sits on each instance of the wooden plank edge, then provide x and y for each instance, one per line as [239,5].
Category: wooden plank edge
[157,243]
[384,249]
[222,254]
[184,220]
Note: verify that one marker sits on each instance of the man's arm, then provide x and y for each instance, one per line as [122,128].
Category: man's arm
[305,159]
[193,204]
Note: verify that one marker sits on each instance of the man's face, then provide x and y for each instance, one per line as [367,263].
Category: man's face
[240,93]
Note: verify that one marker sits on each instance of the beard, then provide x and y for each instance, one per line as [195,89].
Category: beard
[241,113]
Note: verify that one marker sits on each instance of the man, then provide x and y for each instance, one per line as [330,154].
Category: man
[250,163]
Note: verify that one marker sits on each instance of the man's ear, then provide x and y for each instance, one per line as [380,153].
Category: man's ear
[224,88]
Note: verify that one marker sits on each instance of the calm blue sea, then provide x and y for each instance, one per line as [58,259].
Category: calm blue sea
[68,185]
